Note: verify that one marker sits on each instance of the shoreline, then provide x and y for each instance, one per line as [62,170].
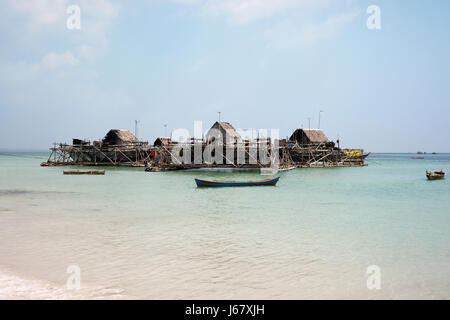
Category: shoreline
[15,286]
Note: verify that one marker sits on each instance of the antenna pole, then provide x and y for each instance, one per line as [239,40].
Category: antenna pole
[136,128]
[320,112]
[219,115]
[165,130]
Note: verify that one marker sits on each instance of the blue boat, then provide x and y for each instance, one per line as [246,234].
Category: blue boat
[208,183]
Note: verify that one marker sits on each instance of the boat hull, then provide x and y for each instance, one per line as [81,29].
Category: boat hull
[435,177]
[439,175]
[207,183]
[92,172]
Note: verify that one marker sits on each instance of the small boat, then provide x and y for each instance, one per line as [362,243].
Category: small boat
[435,175]
[286,169]
[91,172]
[207,183]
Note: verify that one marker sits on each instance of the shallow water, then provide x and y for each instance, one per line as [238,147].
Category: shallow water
[155,235]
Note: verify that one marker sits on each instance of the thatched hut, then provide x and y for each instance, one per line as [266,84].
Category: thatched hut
[159,142]
[309,136]
[119,137]
[227,131]
[79,142]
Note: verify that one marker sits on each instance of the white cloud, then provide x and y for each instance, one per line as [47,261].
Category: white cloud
[41,12]
[47,19]
[48,12]
[43,23]
[13,73]
[47,46]
[288,23]
[98,15]
[53,60]
[244,11]
[289,34]
[249,10]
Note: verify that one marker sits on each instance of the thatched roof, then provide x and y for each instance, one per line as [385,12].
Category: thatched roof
[162,141]
[315,135]
[309,136]
[227,128]
[119,136]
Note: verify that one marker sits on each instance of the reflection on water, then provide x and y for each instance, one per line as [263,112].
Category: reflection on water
[9,192]
[155,235]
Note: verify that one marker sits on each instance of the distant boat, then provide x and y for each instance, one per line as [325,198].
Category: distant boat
[91,172]
[419,152]
[437,175]
[286,169]
[272,171]
[417,158]
[208,183]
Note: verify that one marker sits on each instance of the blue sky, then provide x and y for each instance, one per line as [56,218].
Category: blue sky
[262,63]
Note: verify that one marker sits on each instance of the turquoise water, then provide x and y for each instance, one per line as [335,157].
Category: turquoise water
[136,234]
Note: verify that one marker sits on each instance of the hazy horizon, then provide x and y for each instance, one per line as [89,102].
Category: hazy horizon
[263,64]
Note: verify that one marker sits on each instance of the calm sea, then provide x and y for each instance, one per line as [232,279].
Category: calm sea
[135,234]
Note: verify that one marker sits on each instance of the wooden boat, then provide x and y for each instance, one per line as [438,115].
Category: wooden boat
[435,175]
[207,183]
[91,172]
[286,169]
